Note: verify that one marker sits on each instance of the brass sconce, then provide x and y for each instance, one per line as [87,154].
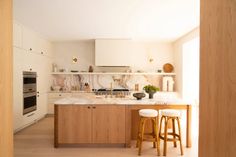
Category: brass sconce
[74,60]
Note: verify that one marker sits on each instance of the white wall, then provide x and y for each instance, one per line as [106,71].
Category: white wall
[178,58]
[161,53]
[191,70]
[63,52]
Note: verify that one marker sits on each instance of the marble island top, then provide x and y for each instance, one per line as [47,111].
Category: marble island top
[85,99]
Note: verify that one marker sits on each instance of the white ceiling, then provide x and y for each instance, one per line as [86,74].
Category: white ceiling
[90,19]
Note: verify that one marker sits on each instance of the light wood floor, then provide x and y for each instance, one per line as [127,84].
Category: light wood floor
[37,141]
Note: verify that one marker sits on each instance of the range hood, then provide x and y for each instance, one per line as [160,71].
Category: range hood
[113,52]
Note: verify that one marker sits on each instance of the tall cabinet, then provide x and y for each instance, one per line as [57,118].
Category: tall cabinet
[30,53]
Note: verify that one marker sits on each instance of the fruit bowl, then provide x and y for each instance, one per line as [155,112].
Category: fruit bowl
[139,96]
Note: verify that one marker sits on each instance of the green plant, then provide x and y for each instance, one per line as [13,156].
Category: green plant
[151,89]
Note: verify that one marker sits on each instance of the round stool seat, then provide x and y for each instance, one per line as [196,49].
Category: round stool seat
[170,113]
[148,113]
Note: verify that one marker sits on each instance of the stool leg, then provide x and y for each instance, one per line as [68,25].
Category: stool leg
[139,133]
[160,126]
[141,137]
[173,128]
[180,138]
[155,121]
[154,131]
[158,130]
[165,136]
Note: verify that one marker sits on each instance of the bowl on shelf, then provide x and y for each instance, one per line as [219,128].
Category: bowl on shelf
[56,88]
[168,68]
[139,96]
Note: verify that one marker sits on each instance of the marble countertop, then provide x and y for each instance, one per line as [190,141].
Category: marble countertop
[85,99]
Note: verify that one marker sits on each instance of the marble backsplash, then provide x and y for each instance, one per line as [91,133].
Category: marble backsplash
[85,82]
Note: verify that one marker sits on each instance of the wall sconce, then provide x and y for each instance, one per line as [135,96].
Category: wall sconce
[74,60]
[151,60]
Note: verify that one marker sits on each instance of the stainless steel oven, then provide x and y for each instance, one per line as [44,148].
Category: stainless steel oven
[29,91]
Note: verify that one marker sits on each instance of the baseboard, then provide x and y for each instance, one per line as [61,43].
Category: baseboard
[49,115]
[29,124]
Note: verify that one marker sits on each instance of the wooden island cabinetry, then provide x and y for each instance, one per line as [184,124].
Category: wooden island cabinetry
[89,124]
[108,124]
[113,124]
[73,124]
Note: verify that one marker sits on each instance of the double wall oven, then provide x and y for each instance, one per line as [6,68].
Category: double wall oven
[29,91]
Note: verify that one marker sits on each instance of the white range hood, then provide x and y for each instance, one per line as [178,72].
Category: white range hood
[113,52]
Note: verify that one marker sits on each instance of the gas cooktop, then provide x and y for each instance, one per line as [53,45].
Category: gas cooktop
[115,91]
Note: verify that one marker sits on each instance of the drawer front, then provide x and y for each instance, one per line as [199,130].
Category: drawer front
[58,95]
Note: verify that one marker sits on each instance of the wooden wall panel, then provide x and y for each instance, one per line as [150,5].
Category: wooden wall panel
[217,133]
[6,131]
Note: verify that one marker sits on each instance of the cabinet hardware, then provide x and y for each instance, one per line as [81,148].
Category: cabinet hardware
[94,107]
[38,92]
[30,69]
[88,107]
[41,52]
[30,49]
[37,95]
[30,115]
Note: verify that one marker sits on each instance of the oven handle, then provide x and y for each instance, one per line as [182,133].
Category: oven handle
[29,90]
[26,95]
[30,115]
[29,76]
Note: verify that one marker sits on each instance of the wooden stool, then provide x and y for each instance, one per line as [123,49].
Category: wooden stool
[172,115]
[148,114]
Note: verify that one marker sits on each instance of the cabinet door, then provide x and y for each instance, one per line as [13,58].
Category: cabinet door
[52,97]
[17,35]
[108,124]
[73,124]
[43,68]
[17,88]
[45,47]
[41,105]
[30,40]
[41,65]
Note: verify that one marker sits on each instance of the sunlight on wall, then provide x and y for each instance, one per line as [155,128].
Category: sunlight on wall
[191,71]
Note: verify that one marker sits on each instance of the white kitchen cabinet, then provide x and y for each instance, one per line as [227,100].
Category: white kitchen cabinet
[41,65]
[52,97]
[28,119]
[30,40]
[24,60]
[113,52]
[17,88]
[45,47]
[17,35]
[41,104]
[20,64]
[34,43]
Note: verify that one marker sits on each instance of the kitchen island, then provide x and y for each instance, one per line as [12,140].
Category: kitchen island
[90,120]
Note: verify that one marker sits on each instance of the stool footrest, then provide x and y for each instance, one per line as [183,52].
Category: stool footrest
[177,137]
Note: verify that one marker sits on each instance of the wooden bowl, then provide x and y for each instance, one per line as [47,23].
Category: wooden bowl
[168,68]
